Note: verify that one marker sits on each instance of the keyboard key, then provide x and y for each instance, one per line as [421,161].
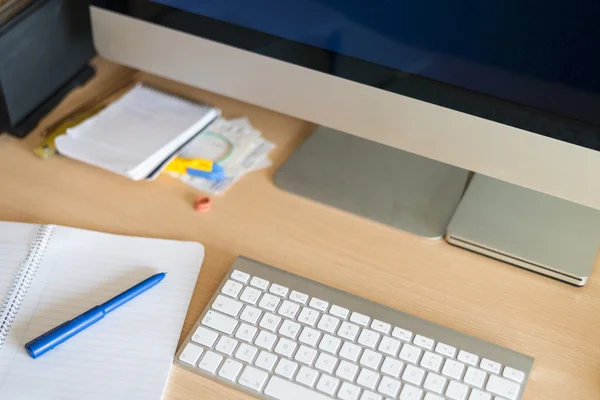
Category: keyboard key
[240,276]
[265,340]
[368,338]
[246,332]
[347,370]
[431,361]
[409,353]
[289,329]
[230,369]
[431,396]
[380,326]
[475,377]
[445,350]
[226,345]
[367,378]
[339,311]
[513,374]
[285,347]
[210,362]
[328,384]
[286,368]
[360,319]
[502,387]
[219,322]
[326,363]
[246,352]
[468,358]
[204,336]
[348,391]
[227,305]
[392,367]
[456,391]
[370,359]
[453,369]
[413,375]
[232,288]
[259,283]
[328,323]
[281,389]
[305,355]
[423,341]
[368,395]
[410,393]
[270,321]
[389,346]
[288,309]
[278,290]
[319,304]
[350,351]
[309,336]
[330,344]
[307,376]
[269,302]
[479,395]
[298,297]
[250,314]
[402,334]
[435,383]
[250,295]
[490,366]
[348,330]
[389,387]
[265,360]
[308,316]
[253,378]
[191,353]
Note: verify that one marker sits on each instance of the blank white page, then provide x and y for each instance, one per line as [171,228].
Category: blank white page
[127,355]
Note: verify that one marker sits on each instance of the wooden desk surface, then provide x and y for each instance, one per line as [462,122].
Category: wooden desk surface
[556,323]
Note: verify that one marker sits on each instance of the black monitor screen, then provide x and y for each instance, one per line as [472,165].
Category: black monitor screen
[529,64]
[542,53]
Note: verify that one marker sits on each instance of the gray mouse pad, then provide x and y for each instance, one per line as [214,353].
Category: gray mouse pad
[526,228]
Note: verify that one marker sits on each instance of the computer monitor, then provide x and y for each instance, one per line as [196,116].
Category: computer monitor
[510,90]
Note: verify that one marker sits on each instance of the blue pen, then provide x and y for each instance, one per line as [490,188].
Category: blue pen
[64,332]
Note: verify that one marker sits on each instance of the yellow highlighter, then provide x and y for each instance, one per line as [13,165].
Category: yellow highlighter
[47,148]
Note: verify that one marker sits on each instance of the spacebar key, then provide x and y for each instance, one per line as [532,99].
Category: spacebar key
[286,390]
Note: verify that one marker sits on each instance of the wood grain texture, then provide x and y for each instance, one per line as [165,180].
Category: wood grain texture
[5,2]
[556,323]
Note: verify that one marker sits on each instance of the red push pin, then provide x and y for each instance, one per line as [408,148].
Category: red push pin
[202,204]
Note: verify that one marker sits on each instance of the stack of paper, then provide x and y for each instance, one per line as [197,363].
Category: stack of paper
[235,145]
[136,135]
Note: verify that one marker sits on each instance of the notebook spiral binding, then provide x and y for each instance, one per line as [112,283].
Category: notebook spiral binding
[16,294]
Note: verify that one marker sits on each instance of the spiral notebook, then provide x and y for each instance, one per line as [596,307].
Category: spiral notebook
[138,133]
[50,274]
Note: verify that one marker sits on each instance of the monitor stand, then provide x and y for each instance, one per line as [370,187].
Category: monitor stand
[387,185]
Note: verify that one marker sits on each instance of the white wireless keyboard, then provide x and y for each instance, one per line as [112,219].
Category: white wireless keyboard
[277,335]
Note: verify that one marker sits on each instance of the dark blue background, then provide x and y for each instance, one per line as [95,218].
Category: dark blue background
[540,53]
